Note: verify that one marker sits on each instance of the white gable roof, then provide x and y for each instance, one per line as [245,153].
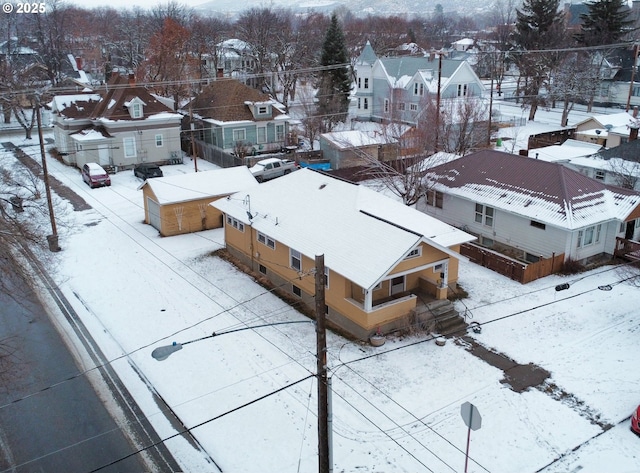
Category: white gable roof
[356,139]
[362,234]
[568,150]
[200,185]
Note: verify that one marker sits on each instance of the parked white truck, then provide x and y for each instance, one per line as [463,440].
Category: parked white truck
[272,167]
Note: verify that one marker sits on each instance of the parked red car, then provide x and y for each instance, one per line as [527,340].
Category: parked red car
[95,176]
[635,421]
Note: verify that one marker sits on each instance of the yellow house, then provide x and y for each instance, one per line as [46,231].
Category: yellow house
[380,255]
[180,204]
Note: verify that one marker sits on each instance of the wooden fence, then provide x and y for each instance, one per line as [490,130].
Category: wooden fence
[627,249]
[512,268]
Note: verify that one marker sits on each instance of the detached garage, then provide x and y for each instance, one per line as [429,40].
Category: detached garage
[180,204]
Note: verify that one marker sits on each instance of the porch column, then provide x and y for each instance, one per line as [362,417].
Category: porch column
[441,291]
[368,300]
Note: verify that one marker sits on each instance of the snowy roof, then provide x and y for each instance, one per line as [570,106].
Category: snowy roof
[613,119]
[74,105]
[536,189]
[568,150]
[200,185]
[355,139]
[367,55]
[362,234]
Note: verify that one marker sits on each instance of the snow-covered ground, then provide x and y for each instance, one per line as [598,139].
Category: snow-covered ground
[396,408]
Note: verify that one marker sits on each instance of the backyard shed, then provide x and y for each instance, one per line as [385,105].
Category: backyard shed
[180,204]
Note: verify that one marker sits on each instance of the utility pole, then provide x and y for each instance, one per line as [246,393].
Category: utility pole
[436,147]
[53,238]
[321,353]
[633,73]
[193,144]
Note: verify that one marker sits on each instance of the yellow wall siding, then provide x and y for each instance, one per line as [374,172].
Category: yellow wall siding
[191,214]
[344,298]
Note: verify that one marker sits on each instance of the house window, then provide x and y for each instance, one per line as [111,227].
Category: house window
[326,277]
[262,110]
[136,110]
[295,259]
[401,106]
[263,269]
[623,227]
[386,105]
[359,103]
[537,224]
[159,141]
[262,134]
[129,144]
[366,82]
[265,240]
[414,253]
[418,89]
[600,174]
[462,90]
[237,224]
[488,242]
[589,236]
[437,268]
[435,198]
[366,104]
[239,135]
[484,214]
[413,107]
[359,82]
[279,132]
[296,290]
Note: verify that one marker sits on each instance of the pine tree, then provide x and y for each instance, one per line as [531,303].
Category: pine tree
[540,25]
[607,22]
[334,84]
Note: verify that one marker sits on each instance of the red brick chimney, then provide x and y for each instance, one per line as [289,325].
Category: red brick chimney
[132,80]
[220,72]
[79,63]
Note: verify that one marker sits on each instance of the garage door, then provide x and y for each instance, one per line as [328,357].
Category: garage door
[154,213]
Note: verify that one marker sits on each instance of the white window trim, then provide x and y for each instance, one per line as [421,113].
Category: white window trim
[129,139]
[266,241]
[264,138]
[239,130]
[279,132]
[415,253]
[136,110]
[235,223]
[293,256]
[160,139]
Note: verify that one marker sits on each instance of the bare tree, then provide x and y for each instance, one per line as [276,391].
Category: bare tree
[463,125]
[574,80]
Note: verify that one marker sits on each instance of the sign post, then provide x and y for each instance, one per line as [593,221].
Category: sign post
[471,417]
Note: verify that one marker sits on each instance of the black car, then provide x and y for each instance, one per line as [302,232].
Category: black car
[147,170]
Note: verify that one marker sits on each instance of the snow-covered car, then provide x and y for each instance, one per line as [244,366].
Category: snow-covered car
[95,175]
[635,421]
[146,170]
[272,167]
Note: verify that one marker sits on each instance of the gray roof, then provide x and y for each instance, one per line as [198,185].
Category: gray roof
[408,66]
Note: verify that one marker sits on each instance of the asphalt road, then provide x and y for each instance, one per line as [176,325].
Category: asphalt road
[62,429]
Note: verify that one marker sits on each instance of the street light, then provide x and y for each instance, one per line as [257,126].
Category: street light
[324,455]
[163,352]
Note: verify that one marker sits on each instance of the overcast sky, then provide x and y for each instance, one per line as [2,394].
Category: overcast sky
[145,4]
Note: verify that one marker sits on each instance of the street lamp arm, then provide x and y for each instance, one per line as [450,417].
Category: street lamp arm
[163,352]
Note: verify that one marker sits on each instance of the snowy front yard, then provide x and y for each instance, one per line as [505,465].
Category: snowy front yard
[396,408]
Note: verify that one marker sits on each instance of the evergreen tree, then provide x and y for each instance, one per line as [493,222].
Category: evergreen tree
[607,22]
[539,25]
[334,82]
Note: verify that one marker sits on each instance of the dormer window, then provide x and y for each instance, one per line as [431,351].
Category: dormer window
[136,110]
[263,109]
[135,107]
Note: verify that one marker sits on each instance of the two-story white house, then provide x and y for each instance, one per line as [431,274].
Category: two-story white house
[119,127]
[398,88]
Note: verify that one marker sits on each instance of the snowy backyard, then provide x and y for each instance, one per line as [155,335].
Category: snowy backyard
[396,408]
